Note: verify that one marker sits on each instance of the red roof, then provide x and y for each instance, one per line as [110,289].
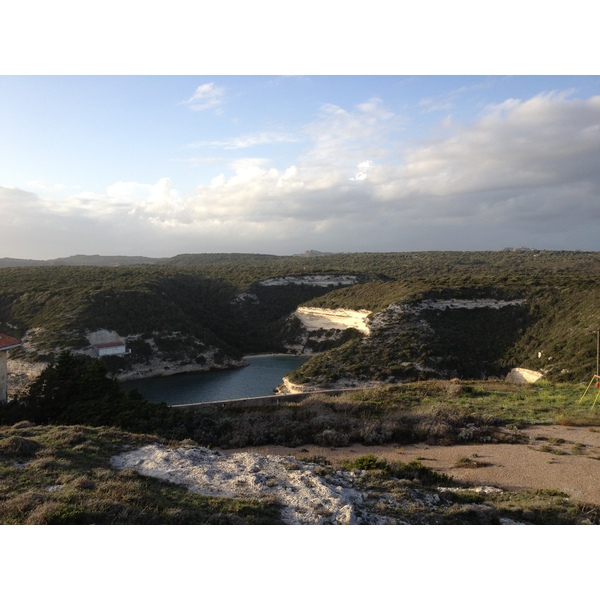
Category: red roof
[7,342]
[113,344]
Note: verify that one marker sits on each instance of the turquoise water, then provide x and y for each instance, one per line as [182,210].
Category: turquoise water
[259,378]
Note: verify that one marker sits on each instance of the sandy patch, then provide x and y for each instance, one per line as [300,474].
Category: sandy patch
[560,458]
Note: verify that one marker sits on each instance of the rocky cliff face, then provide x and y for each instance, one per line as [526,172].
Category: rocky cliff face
[20,374]
[160,365]
[443,338]
[337,319]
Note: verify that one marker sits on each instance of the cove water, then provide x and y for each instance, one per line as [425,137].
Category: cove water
[259,378]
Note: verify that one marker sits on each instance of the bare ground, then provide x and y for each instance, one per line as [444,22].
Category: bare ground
[556,457]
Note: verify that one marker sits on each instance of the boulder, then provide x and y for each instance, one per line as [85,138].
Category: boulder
[520,375]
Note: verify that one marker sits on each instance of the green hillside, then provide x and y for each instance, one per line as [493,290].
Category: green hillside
[554,329]
[192,302]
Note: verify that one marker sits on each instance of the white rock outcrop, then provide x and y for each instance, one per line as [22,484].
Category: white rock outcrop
[520,375]
[457,303]
[333,318]
[306,497]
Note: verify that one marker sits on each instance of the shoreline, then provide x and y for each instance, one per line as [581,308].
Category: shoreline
[167,371]
[22,373]
[271,354]
[162,372]
[261,379]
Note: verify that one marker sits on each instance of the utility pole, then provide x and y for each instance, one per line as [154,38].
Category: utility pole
[598,353]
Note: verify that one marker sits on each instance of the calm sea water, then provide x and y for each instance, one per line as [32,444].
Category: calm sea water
[259,378]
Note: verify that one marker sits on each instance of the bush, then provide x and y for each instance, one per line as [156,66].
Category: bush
[368,462]
[331,437]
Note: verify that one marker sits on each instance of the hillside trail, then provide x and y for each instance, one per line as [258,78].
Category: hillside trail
[555,457]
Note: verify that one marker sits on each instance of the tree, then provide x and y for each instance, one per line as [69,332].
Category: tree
[70,390]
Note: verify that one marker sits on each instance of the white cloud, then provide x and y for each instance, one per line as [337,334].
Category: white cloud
[341,139]
[247,141]
[543,142]
[158,202]
[525,165]
[207,96]
[362,170]
[42,185]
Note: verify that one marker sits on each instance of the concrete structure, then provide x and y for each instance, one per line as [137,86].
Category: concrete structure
[6,343]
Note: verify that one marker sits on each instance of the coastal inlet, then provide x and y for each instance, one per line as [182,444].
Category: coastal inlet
[259,378]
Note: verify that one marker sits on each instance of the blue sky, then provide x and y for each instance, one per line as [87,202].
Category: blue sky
[166,164]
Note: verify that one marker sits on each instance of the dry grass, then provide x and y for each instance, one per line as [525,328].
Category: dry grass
[465,462]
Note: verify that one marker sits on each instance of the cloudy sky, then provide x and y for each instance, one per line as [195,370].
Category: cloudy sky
[158,165]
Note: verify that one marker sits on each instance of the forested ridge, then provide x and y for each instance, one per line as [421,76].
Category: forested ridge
[217,300]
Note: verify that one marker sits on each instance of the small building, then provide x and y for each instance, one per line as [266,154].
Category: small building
[6,343]
[114,348]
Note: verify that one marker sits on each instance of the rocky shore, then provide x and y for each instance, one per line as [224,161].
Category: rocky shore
[164,368]
[287,387]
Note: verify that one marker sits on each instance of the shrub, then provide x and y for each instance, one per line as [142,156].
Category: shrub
[368,462]
[331,437]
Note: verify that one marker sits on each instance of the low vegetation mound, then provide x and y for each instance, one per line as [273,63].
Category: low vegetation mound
[64,477]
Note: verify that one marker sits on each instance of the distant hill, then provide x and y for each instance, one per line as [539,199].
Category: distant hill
[82,260]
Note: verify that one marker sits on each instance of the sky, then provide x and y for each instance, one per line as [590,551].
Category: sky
[163,164]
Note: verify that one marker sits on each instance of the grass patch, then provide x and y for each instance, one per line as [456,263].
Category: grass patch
[16,446]
[381,470]
[67,480]
[552,450]
[578,449]
[60,474]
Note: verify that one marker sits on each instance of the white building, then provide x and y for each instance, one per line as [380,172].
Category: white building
[114,348]
[6,343]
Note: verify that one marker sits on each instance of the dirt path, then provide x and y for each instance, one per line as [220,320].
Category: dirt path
[557,457]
